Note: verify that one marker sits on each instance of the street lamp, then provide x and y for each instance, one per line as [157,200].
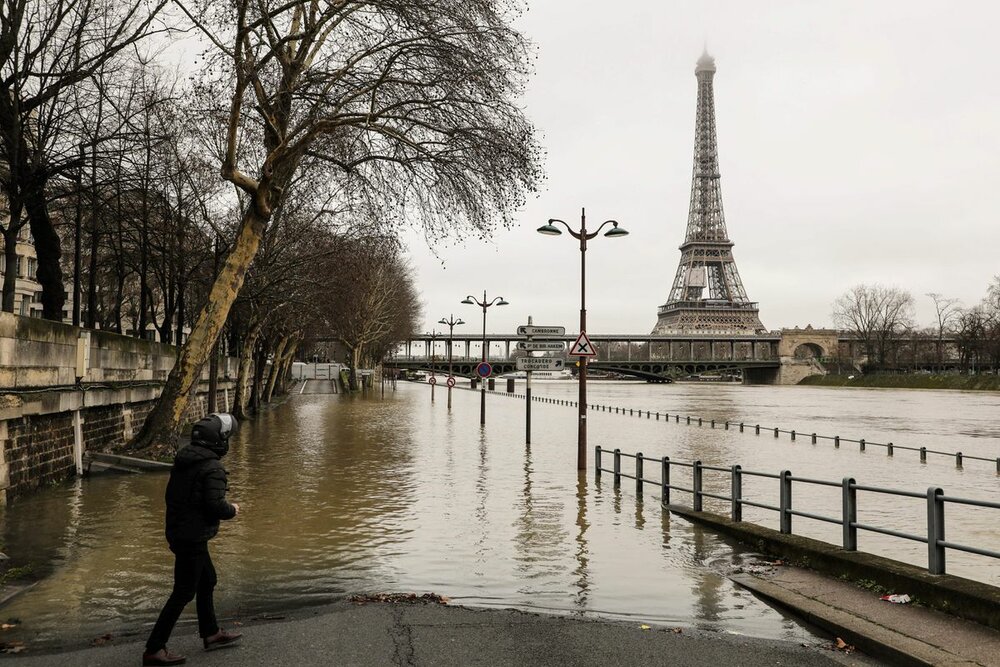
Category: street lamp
[550,229]
[451,322]
[430,358]
[484,304]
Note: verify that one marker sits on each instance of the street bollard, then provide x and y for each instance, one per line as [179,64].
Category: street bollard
[657,416]
[741,427]
[689,419]
[888,449]
[776,432]
[756,429]
[923,455]
[814,438]
[618,467]
[793,435]
[699,421]
[597,462]
[861,442]
[727,425]
[677,419]
[713,423]
[836,442]
[958,460]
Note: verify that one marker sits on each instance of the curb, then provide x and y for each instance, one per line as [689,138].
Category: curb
[872,638]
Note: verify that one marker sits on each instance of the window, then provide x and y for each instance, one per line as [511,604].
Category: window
[25,306]
[19,269]
[32,267]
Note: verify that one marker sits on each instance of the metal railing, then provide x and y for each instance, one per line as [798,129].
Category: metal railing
[935,498]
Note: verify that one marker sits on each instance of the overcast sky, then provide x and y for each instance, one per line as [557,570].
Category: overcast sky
[859,142]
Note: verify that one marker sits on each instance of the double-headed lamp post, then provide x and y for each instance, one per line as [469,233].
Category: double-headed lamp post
[484,304]
[451,323]
[550,229]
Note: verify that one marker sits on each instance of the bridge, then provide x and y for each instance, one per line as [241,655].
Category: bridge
[777,357]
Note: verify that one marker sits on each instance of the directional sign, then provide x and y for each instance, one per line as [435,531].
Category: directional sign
[582,347]
[483,369]
[450,382]
[540,364]
[541,345]
[432,380]
[541,331]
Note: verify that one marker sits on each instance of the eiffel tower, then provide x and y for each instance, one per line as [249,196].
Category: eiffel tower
[707,294]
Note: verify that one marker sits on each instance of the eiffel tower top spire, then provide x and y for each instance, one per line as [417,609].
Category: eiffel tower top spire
[707,293]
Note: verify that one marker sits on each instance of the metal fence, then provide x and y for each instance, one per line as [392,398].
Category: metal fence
[935,498]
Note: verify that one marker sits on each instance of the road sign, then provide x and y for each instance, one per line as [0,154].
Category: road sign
[541,331]
[582,347]
[450,382]
[432,380]
[483,369]
[540,364]
[541,345]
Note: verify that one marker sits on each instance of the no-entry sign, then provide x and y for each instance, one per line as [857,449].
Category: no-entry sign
[450,381]
[484,370]
[432,380]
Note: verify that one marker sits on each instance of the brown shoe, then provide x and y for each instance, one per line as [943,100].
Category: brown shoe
[221,639]
[162,657]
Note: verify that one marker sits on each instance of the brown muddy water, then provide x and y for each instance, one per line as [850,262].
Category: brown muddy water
[343,494]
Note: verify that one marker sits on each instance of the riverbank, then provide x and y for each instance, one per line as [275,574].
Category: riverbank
[907,381]
[417,632]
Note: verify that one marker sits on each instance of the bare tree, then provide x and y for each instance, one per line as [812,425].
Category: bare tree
[877,315]
[47,47]
[947,311]
[410,101]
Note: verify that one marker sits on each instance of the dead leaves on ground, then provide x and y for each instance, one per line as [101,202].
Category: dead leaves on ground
[398,598]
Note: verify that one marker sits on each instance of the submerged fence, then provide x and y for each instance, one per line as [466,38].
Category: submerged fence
[690,420]
[935,498]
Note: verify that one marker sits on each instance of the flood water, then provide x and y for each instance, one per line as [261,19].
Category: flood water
[346,494]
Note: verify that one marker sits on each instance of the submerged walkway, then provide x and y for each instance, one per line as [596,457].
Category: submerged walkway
[379,634]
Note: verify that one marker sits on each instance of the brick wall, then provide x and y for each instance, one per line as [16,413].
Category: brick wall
[38,451]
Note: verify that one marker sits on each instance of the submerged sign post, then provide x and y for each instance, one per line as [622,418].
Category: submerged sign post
[529,363]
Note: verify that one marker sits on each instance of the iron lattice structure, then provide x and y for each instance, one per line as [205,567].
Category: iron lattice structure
[707,293]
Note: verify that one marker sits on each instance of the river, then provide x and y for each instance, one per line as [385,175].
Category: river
[345,494]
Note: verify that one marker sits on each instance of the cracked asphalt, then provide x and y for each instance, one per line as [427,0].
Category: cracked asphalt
[379,633]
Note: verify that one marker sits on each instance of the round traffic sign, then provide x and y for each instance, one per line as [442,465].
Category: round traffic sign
[432,380]
[484,370]
[450,382]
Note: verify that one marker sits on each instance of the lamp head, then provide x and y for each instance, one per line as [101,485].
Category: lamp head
[442,321]
[460,321]
[468,301]
[549,229]
[503,302]
[615,231]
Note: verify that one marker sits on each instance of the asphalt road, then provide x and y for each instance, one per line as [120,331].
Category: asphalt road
[379,633]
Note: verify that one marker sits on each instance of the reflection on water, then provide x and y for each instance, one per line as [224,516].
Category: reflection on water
[343,494]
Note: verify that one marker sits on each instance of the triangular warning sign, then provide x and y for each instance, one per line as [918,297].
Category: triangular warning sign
[583,347]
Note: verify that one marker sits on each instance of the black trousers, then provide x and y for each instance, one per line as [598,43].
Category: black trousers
[194,576]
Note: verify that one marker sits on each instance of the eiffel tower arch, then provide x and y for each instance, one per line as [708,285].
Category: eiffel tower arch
[707,294]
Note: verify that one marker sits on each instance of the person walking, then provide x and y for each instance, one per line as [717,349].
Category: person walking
[196,502]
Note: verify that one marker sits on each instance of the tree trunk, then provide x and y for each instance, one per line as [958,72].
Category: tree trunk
[260,360]
[94,245]
[47,248]
[10,259]
[160,428]
[276,363]
[287,371]
[243,374]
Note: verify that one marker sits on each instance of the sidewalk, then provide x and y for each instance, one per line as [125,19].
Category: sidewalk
[901,634]
[402,634]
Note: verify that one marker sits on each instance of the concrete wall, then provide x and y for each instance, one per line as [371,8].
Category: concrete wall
[65,391]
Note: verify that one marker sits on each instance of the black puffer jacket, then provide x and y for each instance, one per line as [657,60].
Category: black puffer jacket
[196,495]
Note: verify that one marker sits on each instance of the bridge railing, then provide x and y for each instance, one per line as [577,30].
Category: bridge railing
[934,497]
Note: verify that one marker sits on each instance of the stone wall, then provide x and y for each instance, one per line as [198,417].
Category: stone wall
[65,391]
